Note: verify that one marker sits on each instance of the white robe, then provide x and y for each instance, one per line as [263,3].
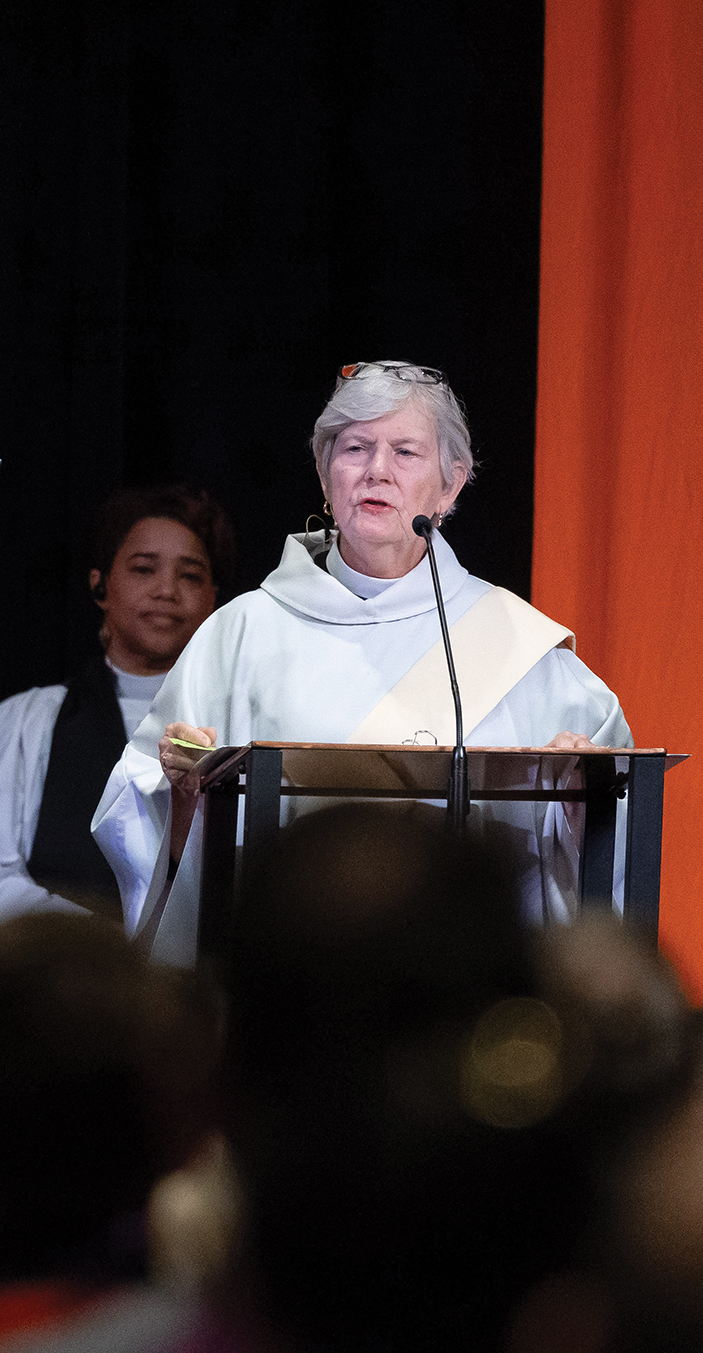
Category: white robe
[303,659]
[27,725]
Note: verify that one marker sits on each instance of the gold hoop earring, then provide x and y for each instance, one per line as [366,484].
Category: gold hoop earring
[329,512]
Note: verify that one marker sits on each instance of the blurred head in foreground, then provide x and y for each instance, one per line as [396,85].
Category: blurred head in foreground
[411,1084]
[106,1068]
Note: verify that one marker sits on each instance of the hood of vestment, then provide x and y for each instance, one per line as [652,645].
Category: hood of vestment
[305,587]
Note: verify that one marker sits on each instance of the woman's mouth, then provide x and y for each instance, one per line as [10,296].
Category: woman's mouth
[376,505]
[161,620]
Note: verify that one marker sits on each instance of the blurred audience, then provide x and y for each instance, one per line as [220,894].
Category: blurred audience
[631,1068]
[157,557]
[449,1133]
[107,1084]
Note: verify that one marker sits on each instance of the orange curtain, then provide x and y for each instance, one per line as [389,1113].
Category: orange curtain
[618,537]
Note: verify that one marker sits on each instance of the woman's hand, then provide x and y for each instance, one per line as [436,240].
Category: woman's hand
[569,742]
[180,766]
[572,742]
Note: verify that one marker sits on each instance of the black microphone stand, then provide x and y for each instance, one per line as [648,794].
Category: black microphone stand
[458,789]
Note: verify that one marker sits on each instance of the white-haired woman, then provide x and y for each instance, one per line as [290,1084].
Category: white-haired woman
[341,643]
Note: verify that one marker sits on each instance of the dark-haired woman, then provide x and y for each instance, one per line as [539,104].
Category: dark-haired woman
[158,556]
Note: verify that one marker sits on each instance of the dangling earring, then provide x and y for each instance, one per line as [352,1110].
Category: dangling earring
[440,519]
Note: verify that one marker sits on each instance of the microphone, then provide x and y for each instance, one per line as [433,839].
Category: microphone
[458,791]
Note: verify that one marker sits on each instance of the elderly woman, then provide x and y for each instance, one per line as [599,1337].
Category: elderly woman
[342,643]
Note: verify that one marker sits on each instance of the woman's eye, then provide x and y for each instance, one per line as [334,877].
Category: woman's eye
[142,568]
[193,578]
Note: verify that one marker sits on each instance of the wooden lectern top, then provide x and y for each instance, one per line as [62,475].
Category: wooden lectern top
[417,770]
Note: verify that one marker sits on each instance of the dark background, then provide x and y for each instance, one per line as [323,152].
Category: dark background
[206,210]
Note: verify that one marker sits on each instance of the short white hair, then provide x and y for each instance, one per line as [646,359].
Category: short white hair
[379,391]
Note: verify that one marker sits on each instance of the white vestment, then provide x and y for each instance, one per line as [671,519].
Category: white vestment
[27,725]
[304,659]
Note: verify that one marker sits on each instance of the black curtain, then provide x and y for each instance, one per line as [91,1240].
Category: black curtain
[207,209]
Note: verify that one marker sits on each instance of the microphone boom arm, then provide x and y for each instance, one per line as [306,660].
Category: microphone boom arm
[458,789]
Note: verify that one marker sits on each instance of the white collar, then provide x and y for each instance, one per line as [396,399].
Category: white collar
[131,686]
[311,591]
[361,584]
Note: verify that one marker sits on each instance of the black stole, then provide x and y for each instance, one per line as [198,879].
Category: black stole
[89,737]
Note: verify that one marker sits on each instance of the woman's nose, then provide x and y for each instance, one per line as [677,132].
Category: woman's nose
[165,583]
[377,466]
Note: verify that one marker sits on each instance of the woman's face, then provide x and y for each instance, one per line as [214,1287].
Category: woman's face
[157,593]
[381,474]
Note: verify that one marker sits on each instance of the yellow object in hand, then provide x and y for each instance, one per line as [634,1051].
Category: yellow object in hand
[195,746]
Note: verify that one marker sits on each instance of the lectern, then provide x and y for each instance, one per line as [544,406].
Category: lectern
[263,771]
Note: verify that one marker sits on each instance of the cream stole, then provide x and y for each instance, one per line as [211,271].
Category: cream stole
[495,643]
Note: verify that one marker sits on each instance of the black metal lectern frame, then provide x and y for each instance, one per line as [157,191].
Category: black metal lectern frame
[263,771]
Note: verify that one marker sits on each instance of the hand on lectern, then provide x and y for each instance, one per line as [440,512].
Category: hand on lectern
[179,765]
[571,742]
